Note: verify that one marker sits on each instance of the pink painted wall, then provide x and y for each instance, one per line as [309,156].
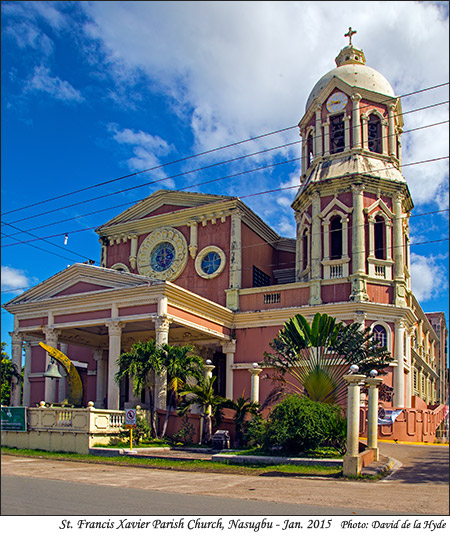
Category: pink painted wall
[81,287]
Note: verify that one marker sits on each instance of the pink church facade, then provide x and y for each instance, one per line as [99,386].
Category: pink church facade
[204,269]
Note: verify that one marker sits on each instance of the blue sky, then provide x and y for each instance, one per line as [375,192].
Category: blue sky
[94,91]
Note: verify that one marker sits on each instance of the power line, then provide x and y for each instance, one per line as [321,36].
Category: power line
[241,197]
[153,168]
[214,150]
[171,177]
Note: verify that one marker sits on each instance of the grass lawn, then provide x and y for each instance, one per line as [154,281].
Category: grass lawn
[184,465]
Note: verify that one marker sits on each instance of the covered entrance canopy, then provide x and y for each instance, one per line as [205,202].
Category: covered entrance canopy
[103,312]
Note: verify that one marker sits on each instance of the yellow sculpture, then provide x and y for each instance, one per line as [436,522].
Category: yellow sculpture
[75,386]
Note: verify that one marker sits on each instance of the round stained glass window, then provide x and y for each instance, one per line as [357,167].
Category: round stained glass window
[162,256]
[211,262]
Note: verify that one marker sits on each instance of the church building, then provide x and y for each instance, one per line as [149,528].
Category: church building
[187,267]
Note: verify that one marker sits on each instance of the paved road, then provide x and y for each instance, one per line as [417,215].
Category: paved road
[420,486]
[40,496]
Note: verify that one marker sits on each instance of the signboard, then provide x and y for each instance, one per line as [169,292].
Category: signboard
[14,418]
[130,418]
[387,417]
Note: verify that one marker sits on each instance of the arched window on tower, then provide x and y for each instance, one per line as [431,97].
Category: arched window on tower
[336,237]
[305,249]
[374,134]
[379,335]
[380,237]
[337,134]
[310,149]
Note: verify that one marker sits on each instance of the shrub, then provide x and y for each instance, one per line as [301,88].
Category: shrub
[298,425]
[255,431]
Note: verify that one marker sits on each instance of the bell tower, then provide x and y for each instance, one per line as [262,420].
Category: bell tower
[353,204]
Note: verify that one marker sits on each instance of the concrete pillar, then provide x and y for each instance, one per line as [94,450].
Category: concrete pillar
[133,250]
[326,138]
[162,323]
[356,120]
[316,251]
[101,378]
[51,339]
[208,369]
[391,131]
[352,462]
[399,370]
[372,415]
[255,371]
[229,349]
[235,251]
[26,375]
[358,242]
[16,359]
[318,134]
[398,245]
[115,339]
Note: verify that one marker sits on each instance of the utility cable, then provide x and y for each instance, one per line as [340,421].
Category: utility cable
[210,151]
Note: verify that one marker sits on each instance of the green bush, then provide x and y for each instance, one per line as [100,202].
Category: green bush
[298,425]
[255,431]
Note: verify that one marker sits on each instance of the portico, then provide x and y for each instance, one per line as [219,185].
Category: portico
[127,308]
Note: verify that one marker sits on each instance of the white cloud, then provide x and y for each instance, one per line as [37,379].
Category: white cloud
[147,149]
[428,278]
[244,68]
[59,89]
[14,279]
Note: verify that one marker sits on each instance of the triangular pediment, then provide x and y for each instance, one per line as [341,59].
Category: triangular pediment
[160,202]
[79,279]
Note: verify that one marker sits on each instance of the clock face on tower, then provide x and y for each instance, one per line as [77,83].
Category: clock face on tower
[337,102]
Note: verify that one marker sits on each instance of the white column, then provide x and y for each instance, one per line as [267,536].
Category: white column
[356,120]
[358,250]
[391,128]
[162,323]
[193,241]
[398,237]
[115,336]
[316,251]
[318,133]
[51,339]
[346,132]
[26,375]
[365,131]
[236,251]
[255,371]
[229,349]
[352,462]
[101,378]
[326,138]
[133,250]
[16,359]
[410,379]
[372,414]
[399,370]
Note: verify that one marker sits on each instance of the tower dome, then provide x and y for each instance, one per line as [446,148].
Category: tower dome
[352,69]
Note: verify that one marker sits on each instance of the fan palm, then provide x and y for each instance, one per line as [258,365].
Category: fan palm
[180,365]
[312,359]
[141,364]
[242,406]
[202,394]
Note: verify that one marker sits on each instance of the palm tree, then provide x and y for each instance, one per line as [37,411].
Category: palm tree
[312,359]
[180,365]
[141,364]
[242,406]
[202,394]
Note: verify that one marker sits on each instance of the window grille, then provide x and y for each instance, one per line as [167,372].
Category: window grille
[260,278]
[272,298]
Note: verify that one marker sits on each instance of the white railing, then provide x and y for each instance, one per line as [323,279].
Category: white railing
[336,271]
[86,420]
[380,271]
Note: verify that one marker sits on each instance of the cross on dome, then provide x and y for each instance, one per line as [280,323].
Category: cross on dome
[349,34]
